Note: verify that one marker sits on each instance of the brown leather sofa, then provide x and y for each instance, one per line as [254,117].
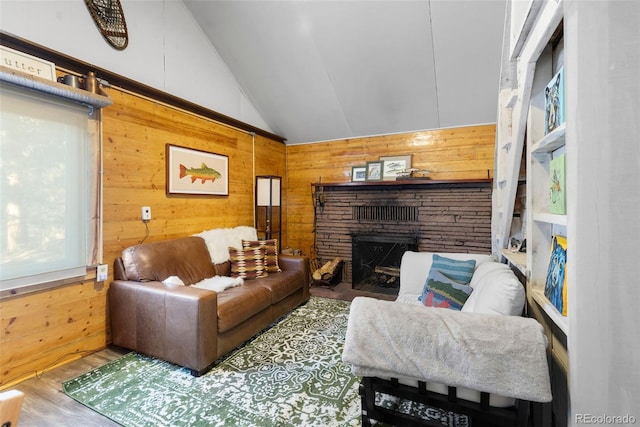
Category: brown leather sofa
[189,326]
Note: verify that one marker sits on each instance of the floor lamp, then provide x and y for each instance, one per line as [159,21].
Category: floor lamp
[268,219]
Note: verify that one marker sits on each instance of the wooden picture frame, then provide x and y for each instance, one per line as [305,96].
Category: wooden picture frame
[195,172]
[358,174]
[374,171]
[392,165]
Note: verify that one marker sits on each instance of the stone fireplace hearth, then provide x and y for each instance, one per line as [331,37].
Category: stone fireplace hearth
[438,216]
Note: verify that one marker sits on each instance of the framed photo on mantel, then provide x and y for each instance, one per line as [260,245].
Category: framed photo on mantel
[374,171]
[393,165]
[358,173]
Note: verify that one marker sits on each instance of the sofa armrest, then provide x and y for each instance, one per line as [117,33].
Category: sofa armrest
[300,263]
[295,262]
[174,323]
[503,355]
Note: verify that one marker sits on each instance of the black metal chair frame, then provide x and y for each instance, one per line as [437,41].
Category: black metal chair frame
[523,414]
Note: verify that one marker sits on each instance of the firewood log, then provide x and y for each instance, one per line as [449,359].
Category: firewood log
[327,270]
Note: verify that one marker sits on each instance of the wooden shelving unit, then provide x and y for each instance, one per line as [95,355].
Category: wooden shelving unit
[24,80]
[592,347]
[516,259]
[542,224]
[528,67]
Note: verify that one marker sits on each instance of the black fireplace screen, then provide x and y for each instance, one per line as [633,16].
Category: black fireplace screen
[376,260]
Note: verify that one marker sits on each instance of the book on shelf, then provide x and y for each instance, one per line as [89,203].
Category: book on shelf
[557,199]
[555,288]
[554,102]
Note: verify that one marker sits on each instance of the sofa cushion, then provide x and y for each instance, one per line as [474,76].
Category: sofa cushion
[270,252]
[158,260]
[496,290]
[223,268]
[483,270]
[247,263]
[235,305]
[442,291]
[282,284]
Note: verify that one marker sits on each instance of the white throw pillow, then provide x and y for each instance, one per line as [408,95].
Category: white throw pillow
[483,269]
[497,291]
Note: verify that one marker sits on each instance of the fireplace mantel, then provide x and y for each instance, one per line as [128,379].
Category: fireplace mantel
[409,183]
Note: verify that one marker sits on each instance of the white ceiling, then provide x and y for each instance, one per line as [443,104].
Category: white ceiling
[318,70]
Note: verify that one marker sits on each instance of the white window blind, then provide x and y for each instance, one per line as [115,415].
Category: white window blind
[44,166]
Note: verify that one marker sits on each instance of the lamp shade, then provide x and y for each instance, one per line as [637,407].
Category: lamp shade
[268,191]
[268,214]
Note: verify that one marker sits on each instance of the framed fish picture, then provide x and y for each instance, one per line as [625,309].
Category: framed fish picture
[394,165]
[195,172]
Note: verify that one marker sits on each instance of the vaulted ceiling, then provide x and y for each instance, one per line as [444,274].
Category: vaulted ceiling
[326,69]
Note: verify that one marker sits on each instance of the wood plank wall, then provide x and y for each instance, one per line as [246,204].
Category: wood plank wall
[46,329]
[454,153]
[49,328]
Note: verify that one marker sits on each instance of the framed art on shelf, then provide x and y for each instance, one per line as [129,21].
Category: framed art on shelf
[195,172]
[358,173]
[558,201]
[555,288]
[393,165]
[554,102]
[374,171]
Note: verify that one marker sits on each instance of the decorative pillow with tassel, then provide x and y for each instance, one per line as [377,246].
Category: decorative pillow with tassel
[247,263]
[270,252]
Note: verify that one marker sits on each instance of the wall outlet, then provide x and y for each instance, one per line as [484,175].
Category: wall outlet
[102,272]
[146,213]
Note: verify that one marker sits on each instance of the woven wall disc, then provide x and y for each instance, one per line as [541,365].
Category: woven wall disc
[109,18]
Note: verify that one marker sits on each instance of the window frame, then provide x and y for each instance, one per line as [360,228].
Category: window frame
[58,94]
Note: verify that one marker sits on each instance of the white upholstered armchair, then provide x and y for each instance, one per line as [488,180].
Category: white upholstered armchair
[481,364]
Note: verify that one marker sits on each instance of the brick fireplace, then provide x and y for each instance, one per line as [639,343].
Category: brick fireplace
[444,216]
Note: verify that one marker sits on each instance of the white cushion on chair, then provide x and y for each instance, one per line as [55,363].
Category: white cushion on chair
[496,290]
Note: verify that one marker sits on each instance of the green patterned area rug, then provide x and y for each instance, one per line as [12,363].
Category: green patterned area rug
[290,375]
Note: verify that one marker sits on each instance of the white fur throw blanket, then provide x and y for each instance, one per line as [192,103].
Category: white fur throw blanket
[504,355]
[216,283]
[219,240]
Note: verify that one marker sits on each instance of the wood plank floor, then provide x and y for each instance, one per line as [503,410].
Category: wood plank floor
[46,405]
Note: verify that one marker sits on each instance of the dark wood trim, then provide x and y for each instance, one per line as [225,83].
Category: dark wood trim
[77,66]
[411,183]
